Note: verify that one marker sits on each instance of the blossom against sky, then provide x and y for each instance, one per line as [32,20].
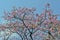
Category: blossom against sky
[38,4]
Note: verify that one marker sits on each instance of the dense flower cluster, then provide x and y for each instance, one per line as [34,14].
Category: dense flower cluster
[30,26]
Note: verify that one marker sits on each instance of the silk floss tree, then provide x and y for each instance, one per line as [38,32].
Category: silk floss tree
[26,23]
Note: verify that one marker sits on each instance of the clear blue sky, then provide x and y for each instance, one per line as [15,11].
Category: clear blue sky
[38,4]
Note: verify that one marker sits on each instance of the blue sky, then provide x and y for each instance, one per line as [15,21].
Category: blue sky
[38,4]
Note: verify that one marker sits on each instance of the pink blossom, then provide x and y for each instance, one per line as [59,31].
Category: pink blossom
[42,15]
[46,22]
[14,13]
[49,13]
